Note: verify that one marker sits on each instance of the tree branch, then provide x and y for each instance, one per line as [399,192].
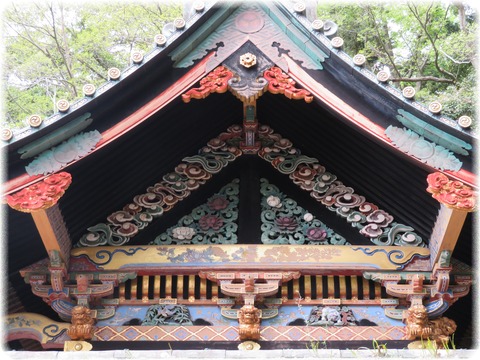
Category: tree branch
[423,25]
[423,79]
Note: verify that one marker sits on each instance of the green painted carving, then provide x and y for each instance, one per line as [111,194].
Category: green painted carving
[56,158]
[55,137]
[158,315]
[444,260]
[210,223]
[432,133]
[124,224]
[309,175]
[285,222]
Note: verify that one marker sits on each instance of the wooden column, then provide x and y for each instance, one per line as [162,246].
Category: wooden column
[456,201]
[40,200]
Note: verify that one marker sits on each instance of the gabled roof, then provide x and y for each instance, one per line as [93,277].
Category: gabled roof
[275,29]
[135,130]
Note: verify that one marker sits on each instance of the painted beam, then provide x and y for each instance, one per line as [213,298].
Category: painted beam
[310,259]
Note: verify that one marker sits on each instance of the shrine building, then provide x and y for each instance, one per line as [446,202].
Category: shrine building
[246,184]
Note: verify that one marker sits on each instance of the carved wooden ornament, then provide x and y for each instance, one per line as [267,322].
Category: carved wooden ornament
[280,83]
[249,323]
[42,195]
[453,194]
[215,82]
[82,327]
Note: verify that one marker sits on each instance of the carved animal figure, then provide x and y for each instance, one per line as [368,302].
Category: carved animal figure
[442,328]
[82,324]
[249,321]
[420,327]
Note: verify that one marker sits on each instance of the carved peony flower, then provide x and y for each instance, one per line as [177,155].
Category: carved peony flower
[218,203]
[210,222]
[316,234]
[183,233]
[286,223]
[274,201]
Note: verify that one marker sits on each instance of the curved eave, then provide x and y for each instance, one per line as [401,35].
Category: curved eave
[359,120]
[127,124]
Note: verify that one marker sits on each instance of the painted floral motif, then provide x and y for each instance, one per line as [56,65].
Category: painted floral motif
[312,254]
[211,223]
[316,234]
[218,203]
[308,217]
[286,223]
[194,256]
[290,223]
[324,187]
[183,232]
[274,201]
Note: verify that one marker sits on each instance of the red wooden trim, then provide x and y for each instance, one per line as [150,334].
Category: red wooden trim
[363,122]
[127,124]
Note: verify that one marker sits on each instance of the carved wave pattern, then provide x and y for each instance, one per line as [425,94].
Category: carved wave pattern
[124,224]
[58,157]
[210,223]
[428,152]
[285,222]
[323,186]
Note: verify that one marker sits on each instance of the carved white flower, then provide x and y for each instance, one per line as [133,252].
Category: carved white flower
[308,217]
[274,201]
[183,233]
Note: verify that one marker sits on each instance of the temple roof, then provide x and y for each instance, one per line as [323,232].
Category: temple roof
[136,129]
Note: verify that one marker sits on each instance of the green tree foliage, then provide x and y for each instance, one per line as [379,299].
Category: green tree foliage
[428,45]
[52,49]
